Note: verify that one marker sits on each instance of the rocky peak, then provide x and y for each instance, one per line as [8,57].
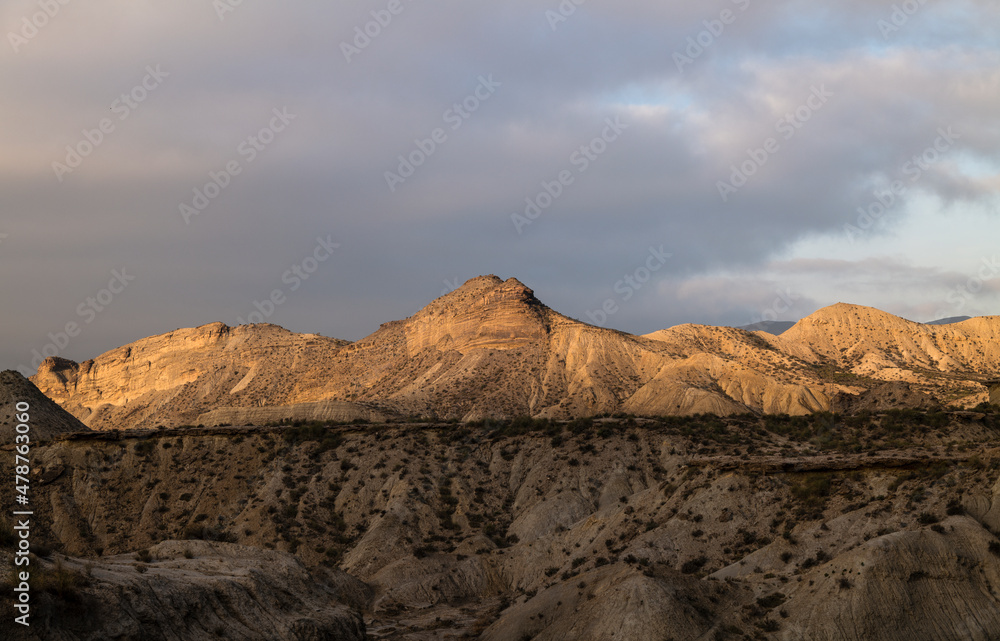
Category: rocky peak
[484,312]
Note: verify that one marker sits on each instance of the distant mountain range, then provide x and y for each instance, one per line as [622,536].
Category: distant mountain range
[780,327]
[771,327]
[490,348]
[948,321]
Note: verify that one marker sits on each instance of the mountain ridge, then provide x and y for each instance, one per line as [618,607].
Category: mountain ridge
[491,348]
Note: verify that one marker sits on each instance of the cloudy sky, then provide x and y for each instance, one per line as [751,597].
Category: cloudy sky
[166,165]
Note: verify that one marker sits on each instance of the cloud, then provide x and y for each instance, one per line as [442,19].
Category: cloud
[656,184]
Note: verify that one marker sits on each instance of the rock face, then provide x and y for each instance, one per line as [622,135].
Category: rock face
[175,378]
[490,348]
[887,396]
[46,418]
[907,585]
[329,411]
[190,590]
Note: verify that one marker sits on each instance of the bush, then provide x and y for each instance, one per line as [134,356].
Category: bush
[143,448]
[769,625]
[194,532]
[813,490]
[926,518]
[771,601]
[693,565]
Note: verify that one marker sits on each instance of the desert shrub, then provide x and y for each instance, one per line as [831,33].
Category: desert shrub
[820,558]
[771,601]
[693,565]
[143,448]
[813,490]
[769,625]
[206,533]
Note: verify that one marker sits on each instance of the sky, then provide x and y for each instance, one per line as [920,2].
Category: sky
[332,166]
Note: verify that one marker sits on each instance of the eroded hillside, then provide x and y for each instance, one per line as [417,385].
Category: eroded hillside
[876,526]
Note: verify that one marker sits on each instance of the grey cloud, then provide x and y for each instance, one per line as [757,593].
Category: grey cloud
[325,174]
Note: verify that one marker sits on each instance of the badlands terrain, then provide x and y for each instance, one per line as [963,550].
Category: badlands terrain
[491,469]
[490,349]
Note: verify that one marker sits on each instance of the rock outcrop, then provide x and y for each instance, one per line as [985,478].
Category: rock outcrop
[190,591]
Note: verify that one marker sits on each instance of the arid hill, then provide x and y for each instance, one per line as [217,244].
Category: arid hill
[491,349]
[45,417]
[771,528]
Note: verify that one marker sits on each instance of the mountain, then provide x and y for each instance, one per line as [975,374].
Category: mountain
[948,321]
[45,417]
[771,327]
[948,361]
[491,349]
